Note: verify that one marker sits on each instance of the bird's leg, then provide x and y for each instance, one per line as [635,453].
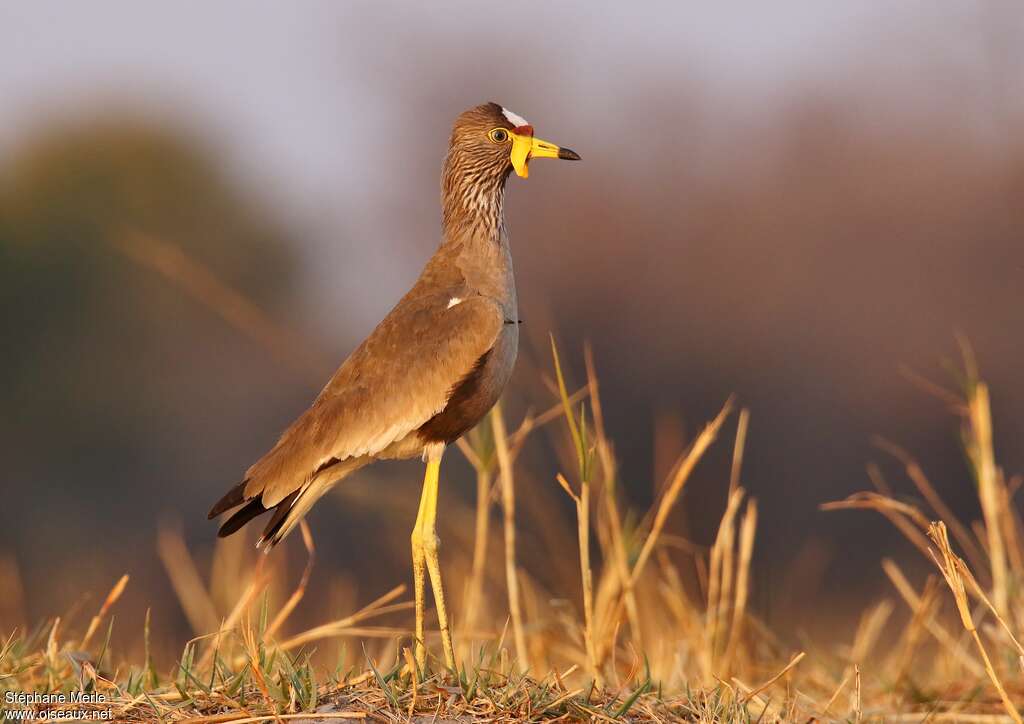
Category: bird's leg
[430,543]
[419,568]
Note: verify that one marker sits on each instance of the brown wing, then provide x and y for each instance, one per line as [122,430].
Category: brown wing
[397,379]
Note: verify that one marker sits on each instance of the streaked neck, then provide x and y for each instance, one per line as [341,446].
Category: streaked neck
[472,201]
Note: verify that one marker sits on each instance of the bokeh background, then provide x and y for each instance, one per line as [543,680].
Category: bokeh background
[790,202]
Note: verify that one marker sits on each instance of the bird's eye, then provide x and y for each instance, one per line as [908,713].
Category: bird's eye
[498,135]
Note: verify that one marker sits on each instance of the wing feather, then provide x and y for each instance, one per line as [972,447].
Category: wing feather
[396,380]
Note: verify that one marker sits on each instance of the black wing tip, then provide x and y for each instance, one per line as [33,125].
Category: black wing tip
[272,533]
[232,499]
[280,523]
[254,508]
[243,515]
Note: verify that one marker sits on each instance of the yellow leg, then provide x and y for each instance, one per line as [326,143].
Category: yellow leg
[424,554]
[419,570]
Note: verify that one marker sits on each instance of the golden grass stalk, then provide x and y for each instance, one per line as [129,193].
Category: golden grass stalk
[582,502]
[858,698]
[414,674]
[835,695]
[241,606]
[720,576]
[903,516]
[479,451]
[478,448]
[915,631]
[980,595]
[52,654]
[343,626]
[481,535]
[737,451]
[300,590]
[869,630]
[938,632]
[609,470]
[110,600]
[916,475]
[682,474]
[725,571]
[578,441]
[978,441]
[748,528]
[951,568]
[763,687]
[252,645]
[508,498]
[181,569]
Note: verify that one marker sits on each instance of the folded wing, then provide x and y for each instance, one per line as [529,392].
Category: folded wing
[395,381]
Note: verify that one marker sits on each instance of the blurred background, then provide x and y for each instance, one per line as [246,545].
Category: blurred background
[792,203]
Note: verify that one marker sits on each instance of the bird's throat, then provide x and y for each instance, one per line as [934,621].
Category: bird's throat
[472,205]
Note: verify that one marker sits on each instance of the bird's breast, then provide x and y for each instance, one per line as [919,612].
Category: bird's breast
[475,394]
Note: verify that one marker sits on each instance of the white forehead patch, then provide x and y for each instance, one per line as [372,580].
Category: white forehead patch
[514,119]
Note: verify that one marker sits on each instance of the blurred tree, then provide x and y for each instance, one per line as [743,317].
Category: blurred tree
[64,200]
[102,357]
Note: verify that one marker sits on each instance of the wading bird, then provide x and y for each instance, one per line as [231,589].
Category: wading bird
[428,373]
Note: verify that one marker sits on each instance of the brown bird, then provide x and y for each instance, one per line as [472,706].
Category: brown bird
[430,370]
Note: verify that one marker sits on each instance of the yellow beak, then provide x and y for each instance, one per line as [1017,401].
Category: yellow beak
[525,147]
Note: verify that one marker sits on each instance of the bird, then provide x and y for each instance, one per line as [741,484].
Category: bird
[428,373]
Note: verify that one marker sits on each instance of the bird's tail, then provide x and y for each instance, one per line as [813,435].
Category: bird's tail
[288,512]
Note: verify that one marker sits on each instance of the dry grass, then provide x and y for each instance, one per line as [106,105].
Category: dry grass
[634,642]
[707,658]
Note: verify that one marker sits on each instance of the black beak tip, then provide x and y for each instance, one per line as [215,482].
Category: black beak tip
[568,154]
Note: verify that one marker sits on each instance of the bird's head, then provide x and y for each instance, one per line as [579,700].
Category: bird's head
[490,137]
